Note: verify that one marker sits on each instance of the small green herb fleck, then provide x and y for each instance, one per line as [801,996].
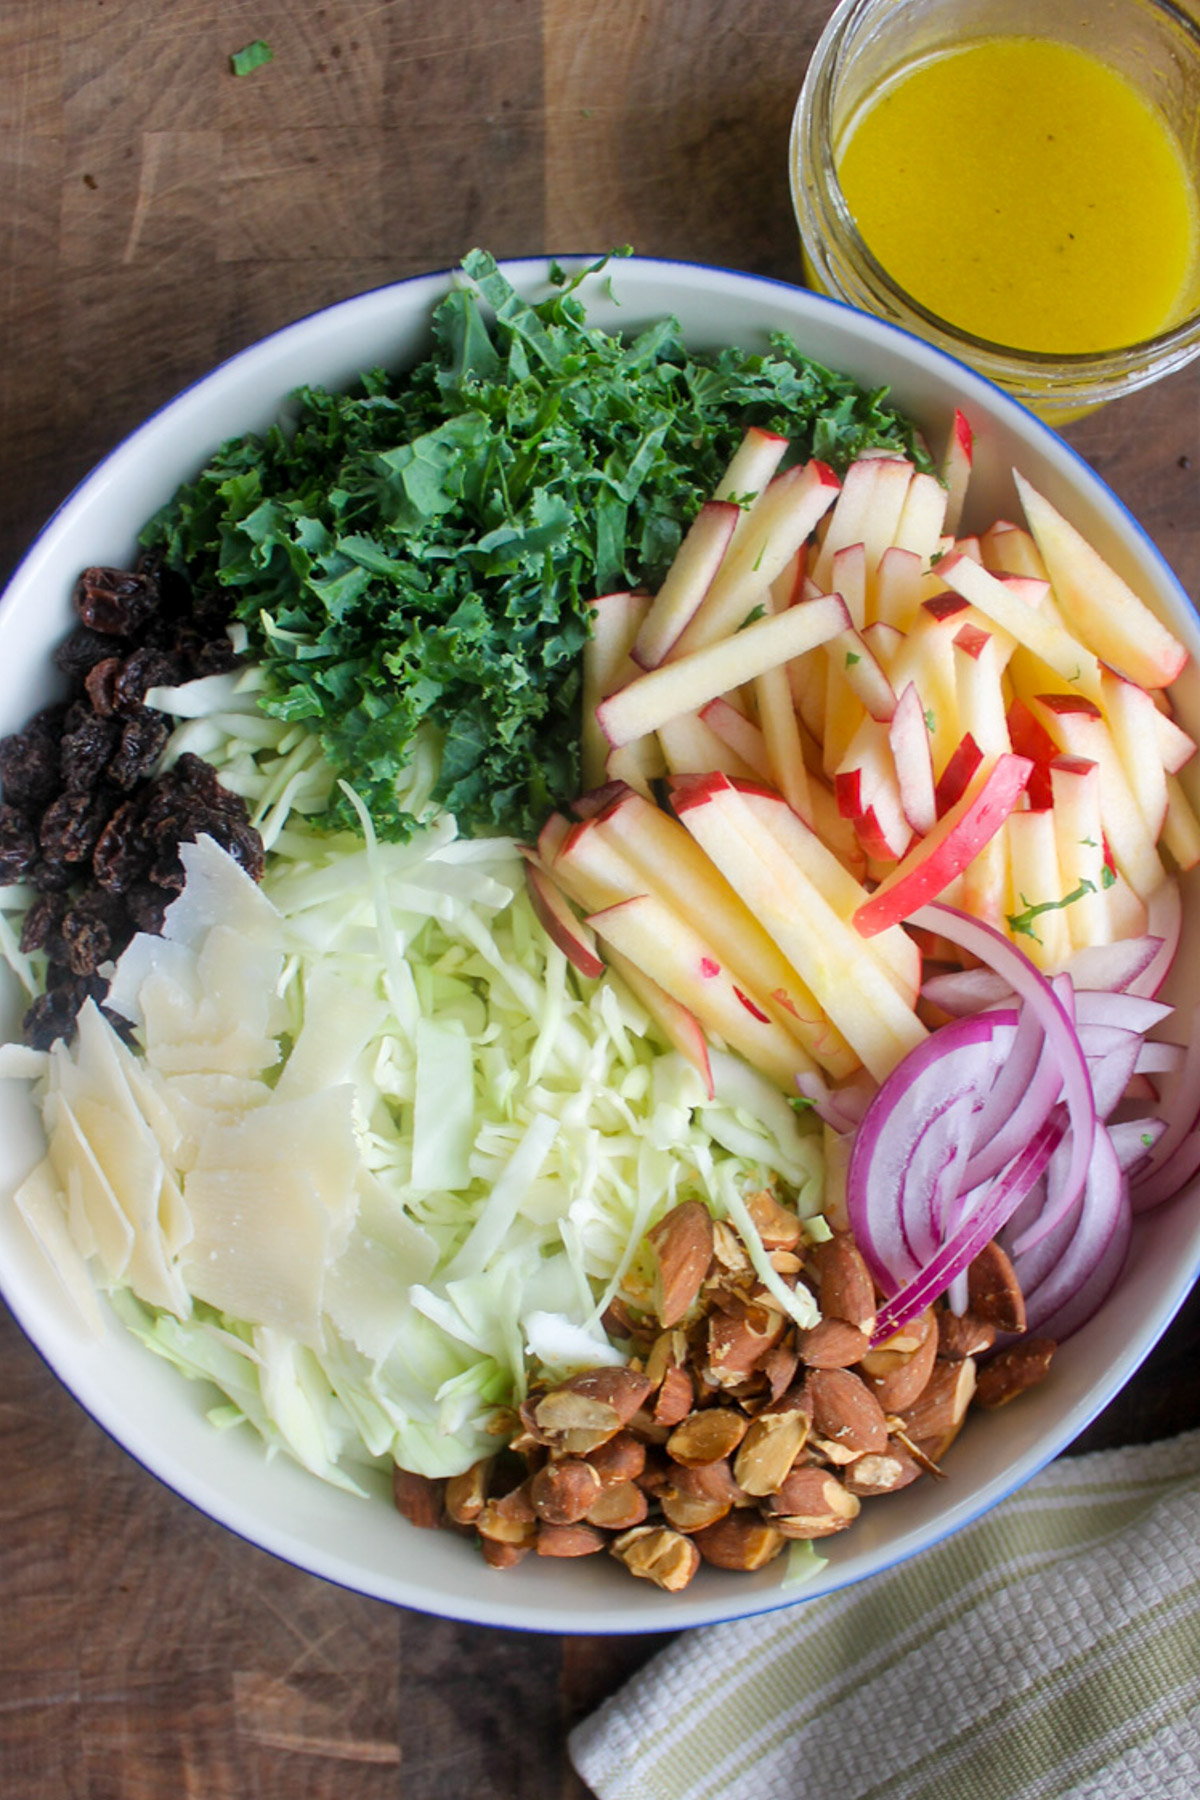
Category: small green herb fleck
[1022,922]
[744,501]
[852,657]
[244,62]
[753,616]
[759,557]
[800,1103]
[1107,877]
[930,720]
[1090,842]
[1148,1139]
[936,557]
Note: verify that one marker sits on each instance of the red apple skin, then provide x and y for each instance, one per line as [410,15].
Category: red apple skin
[560,924]
[847,791]
[1070,703]
[552,836]
[971,640]
[956,839]
[695,790]
[957,775]
[599,800]
[1030,738]
[874,839]
[945,606]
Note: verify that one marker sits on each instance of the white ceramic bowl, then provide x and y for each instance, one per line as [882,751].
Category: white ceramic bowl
[154,1413]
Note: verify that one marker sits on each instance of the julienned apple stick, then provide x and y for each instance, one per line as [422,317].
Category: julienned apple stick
[685,686]
[952,729]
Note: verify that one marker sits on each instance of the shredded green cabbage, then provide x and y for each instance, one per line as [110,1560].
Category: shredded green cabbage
[510,1131]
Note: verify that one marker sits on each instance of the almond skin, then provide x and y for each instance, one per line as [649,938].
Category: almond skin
[741,1540]
[844,1286]
[833,1344]
[846,1411]
[681,1248]
[993,1291]
[1008,1374]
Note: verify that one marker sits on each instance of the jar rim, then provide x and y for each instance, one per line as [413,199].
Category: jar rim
[812,130]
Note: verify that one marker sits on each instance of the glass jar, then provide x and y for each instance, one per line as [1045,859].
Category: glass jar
[869,43]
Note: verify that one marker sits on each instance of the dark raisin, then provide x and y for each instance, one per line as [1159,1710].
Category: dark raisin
[143,740]
[146,668]
[50,875]
[241,841]
[96,928]
[18,846]
[81,651]
[212,656]
[71,825]
[122,853]
[29,761]
[147,906]
[53,1014]
[101,685]
[115,601]
[87,749]
[41,928]
[200,781]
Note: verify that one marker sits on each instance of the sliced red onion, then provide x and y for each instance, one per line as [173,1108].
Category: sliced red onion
[1124,1012]
[840,1108]
[991,946]
[1133,1140]
[959,1061]
[963,991]
[1161,1181]
[1083,1276]
[1033,1106]
[1113,968]
[1181,1130]
[983,1218]
[1164,920]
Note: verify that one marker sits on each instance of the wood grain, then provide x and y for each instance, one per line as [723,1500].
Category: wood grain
[157,214]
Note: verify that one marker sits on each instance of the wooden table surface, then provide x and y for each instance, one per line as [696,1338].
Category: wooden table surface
[156,215]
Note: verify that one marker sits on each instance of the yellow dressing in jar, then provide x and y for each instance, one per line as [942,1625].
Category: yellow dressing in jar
[1025,192]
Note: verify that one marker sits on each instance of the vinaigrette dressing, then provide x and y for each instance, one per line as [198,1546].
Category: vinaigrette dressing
[1027,193]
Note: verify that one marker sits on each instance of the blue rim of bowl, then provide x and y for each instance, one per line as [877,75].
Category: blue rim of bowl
[683,1615]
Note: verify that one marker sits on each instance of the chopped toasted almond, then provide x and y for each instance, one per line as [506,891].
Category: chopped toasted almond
[777,1226]
[845,1411]
[707,1436]
[569,1540]
[812,1503]
[562,1492]
[418,1499]
[618,1508]
[833,1344]
[844,1286]
[681,1249]
[769,1449]
[1013,1370]
[741,1540]
[466,1493]
[655,1553]
[962,1334]
[993,1291]
[885,1473]
[935,1419]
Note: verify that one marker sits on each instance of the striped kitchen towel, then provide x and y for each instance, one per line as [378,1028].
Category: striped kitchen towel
[1049,1651]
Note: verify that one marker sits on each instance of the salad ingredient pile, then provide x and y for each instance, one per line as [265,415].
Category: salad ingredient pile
[678,1166]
